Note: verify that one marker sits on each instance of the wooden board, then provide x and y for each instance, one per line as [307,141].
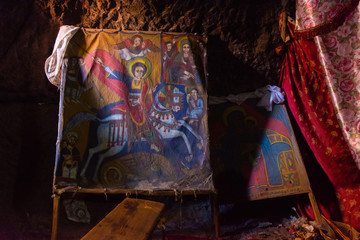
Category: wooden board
[131,219]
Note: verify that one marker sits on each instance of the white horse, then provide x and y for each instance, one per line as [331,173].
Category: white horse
[112,137]
[112,132]
[164,122]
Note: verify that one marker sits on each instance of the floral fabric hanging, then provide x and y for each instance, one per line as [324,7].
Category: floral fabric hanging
[335,28]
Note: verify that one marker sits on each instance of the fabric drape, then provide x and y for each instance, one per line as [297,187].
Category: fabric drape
[335,28]
[303,81]
[339,54]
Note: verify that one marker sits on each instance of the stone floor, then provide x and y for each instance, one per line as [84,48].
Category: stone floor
[186,218]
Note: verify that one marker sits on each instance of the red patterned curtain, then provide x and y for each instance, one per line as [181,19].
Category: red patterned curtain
[303,81]
[335,27]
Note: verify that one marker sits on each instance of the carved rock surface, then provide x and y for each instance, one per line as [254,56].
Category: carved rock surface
[242,37]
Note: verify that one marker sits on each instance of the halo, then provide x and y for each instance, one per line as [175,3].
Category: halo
[232,109]
[72,134]
[251,118]
[142,60]
[182,39]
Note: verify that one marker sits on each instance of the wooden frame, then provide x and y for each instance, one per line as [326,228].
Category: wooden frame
[273,129]
[58,192]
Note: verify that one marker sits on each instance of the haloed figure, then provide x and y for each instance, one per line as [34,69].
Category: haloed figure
[137,46]
[139,91]
[196,106]
[134,97]
[70,156]
[186,62]
[169,51]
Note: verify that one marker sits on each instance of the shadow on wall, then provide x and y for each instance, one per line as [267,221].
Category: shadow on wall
[228,74]
[33,186]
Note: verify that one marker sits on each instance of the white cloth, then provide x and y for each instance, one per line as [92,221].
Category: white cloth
[54,62]
[268,95]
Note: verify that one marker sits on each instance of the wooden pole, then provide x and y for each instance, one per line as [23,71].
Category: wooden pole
[60,191]
[315,207]
[215,213]
[56,200]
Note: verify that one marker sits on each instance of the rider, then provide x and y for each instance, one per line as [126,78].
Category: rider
[138,105]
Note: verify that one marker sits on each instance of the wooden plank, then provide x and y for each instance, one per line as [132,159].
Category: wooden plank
[131,219]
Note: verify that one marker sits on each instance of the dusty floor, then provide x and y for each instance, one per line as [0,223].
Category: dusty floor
[186,218]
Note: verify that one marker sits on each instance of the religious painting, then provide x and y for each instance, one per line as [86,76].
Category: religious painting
[133,112]
[255,151]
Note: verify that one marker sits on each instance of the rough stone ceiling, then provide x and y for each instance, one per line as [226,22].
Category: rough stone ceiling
[242,36]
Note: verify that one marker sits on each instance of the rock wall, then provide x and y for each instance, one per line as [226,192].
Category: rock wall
[242,37]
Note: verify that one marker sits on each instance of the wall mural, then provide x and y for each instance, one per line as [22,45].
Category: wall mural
[133,112]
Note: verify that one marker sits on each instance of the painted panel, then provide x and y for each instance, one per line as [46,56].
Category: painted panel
[133,112]
[255,150]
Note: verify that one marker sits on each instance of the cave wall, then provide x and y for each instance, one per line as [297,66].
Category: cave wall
[242,37]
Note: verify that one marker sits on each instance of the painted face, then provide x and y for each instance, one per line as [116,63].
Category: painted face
[194,93]
[176,108]
[168,47]
[72,140]
[137,42]
[186,48]
[139,72]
